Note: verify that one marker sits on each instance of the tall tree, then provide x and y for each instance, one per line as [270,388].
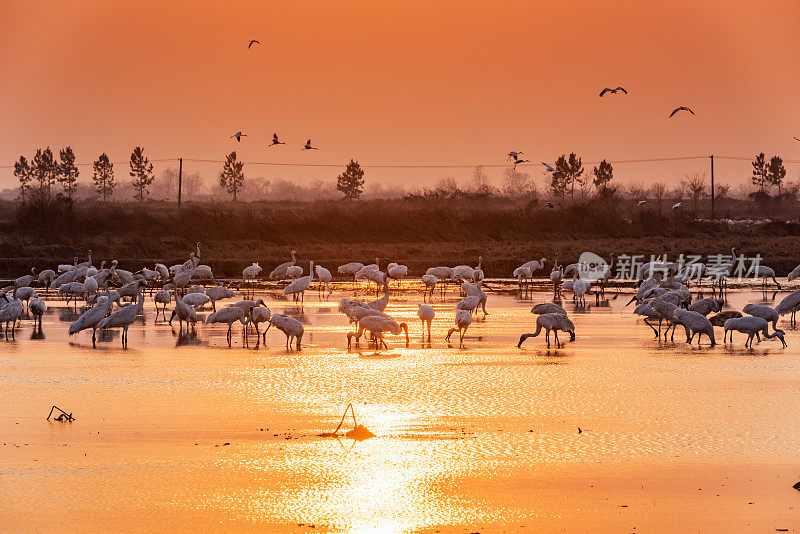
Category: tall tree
[603,175]
[142,173]
[232,175]
[22,170]
[68,172]
[351,181]
[480,182]
[45,169]
[560,178]
[575,172]
[103,177]
[776,172]
[695,185]
[517,184]
[760,171]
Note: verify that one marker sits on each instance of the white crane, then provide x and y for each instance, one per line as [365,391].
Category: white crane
[184,312]
[291,327]
[279,272]
[218,293]
[325,277]
[196,299]
[229,315]
[275,140]
[551,322]
[707,305]
[162,297]
[299,285]
[463,320]
[377,325]
[696,323]
[123,318]
[37,307]
[789,304]
[10,313]
[764,272]
[351,268]
[258,315]
[250,273]
[547,307]
[91,318]
[752,326]
[765,312]
[430,284]
[426,314]
[308,146]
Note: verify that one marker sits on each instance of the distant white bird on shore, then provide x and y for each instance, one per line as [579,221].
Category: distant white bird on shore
[641,203]
[681,108]
[677,205]
[614,91]
[275,140]
[308,146]
[238,136]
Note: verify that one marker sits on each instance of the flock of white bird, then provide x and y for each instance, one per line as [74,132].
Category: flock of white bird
[662,298]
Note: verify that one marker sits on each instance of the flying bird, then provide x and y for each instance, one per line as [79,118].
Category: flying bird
[609,90]
[308,146]
[641,203]
[238,136]
[514,155]
[275,140]
[682,108]
[548,167]
[796,139]
[677,205]
[518,161]
[252,42]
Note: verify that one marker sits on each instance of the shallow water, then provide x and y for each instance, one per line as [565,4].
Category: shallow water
[184,433]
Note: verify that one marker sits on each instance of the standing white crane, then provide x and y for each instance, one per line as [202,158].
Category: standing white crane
[279,272]
[351,269]
[463,320]
[376,325]
[218,293]
[551,322]
[250,273]
[325,277]
[299,285]
[162,297]
[37,307]
[695,323]
[229,315]
[426,314]
[91,318]
[184,312]
[258,315]
[10,313]
[291,327]
[123,318]
[752,326]
[789,304]
[765,312]
[430,284]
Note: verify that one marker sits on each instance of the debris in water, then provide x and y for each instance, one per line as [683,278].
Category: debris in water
[359,432]
[64,416]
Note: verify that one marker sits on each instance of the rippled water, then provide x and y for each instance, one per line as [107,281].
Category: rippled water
[186,433]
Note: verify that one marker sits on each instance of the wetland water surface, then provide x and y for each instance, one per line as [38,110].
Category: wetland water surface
[182,433]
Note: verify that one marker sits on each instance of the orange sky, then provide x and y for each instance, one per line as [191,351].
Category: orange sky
[412,82]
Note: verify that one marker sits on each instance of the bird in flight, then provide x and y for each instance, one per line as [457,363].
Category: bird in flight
[796,139]
[252,42]
[609,90]
[275,140]
[517,161]
[308,146]
[677,205]
[514,154]
[641,203]
[548,167]
[238,136]
[682,108]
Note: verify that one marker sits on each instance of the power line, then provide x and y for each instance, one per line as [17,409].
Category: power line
[429,166]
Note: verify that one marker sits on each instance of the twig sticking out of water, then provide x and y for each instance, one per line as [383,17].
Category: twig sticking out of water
[359,432]
[63,416]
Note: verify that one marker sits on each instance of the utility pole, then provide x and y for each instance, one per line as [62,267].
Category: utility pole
[712,186]
[180,178]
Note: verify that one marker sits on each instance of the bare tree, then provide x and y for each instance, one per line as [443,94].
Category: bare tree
[695,185]
[659,192]
[517,184]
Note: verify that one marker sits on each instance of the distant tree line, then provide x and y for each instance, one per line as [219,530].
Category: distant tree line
[38,177]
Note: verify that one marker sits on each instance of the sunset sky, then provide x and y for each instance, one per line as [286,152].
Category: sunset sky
[408,83]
